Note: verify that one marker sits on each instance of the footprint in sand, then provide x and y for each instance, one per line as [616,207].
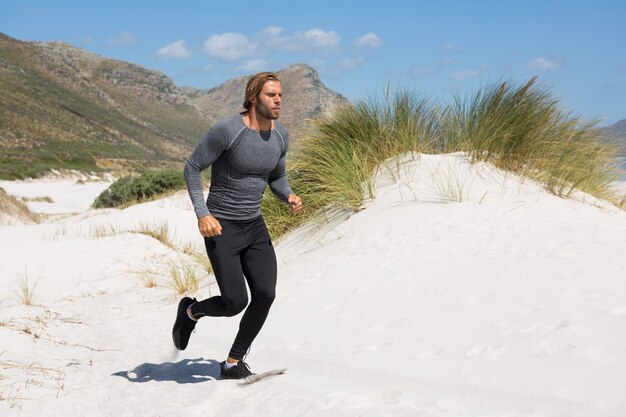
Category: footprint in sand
[429,353]
[492,350]
[546,327]
[548,349]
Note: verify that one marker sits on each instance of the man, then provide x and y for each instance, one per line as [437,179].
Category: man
[246,152]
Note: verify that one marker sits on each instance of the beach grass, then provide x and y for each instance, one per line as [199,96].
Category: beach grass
[519,128]
[332,170]
[148,277]
[188,248]
[451,185]
[156,230]
[202,260]
[24,293]
[522,129]
[13,207]
[184,277]
[101,231]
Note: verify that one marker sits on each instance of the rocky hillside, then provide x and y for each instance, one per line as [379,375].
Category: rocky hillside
[616,133]
[305,98]
[63,107]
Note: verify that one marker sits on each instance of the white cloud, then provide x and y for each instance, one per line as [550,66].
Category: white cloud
[176,50]
[543,64]
[87,40]
[271,38]
[464,75]
[422,71]
[314,39]
[229,46]
[121,40]
[232,46]
[369,40]
[449,47]
[272,31]
[254,65]
[351,63]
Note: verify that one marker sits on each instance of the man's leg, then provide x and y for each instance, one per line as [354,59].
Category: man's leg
[258,263]
[224,252]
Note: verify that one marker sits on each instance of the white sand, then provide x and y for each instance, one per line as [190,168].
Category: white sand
[69,194]
[509,303]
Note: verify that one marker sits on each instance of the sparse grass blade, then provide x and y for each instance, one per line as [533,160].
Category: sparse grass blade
[157,230]
[184,278]
[202,260]
[450,184]
[24,293]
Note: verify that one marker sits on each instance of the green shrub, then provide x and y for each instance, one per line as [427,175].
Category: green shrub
[131,189]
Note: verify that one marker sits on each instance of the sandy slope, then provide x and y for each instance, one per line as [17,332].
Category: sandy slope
[511,302]
[55,195]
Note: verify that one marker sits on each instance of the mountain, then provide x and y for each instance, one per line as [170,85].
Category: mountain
[618,129]
[304,98]
[64,107]
[616,133]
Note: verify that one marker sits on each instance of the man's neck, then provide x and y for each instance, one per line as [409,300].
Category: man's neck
[257,122]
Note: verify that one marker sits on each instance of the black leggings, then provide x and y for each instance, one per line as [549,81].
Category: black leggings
[243,250]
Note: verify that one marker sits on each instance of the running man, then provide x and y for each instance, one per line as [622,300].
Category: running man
[246,152]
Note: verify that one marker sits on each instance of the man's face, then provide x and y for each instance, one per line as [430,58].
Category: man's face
[267,103]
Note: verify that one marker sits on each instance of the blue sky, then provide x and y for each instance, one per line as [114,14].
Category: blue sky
[438,48]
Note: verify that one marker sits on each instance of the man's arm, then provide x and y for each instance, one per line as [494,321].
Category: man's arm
[278,180]
[280,187]
[206,153]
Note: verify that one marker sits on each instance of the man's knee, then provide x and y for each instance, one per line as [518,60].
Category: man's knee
[235,305]
[264,296]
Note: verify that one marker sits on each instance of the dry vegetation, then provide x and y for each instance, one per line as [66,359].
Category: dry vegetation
[14,210]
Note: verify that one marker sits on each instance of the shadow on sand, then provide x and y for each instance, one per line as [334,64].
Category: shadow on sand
[187,371]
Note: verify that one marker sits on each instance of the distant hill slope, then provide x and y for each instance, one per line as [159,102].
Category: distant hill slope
[616,133]
[63,107]
[305,98]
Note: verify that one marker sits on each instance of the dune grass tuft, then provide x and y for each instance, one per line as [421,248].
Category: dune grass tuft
[518,128]
[102,231]
[148,276]
[332,170]
[521,129]
[184,278]
[202,260]
[24,293]
[451,185]
[13,207]
[159,231]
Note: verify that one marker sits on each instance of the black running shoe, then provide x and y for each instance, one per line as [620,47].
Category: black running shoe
[183,326]
[239,371]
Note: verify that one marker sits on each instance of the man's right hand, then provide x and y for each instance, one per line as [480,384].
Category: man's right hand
[209,226]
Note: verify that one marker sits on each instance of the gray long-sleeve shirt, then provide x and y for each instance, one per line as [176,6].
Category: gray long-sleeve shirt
[243,163]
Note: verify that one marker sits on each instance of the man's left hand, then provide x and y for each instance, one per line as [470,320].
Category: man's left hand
[295,203]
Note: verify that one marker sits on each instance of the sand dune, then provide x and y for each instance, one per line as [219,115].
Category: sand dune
[458,291]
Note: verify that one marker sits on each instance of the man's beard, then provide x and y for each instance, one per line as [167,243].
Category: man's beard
[264,111]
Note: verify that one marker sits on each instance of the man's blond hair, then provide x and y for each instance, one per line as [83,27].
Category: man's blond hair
[255,85]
